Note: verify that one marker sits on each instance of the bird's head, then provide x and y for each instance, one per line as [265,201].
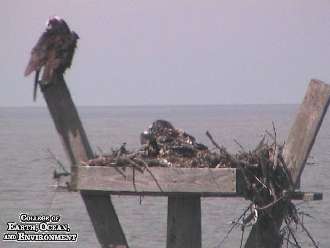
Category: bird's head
[56,23]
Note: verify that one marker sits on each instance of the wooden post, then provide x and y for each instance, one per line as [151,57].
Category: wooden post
[184,222]
[265,234]
[305,128]
[76,145]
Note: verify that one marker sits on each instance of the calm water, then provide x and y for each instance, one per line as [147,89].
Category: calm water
[26,183]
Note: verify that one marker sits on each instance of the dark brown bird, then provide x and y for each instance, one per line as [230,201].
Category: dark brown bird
[53,52]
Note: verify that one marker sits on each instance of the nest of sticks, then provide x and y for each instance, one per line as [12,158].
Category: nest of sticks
[262,171]
[263,176]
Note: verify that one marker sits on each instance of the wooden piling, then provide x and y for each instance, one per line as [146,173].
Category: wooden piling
[265,234]
[184,222]
[305,128]
[69,127]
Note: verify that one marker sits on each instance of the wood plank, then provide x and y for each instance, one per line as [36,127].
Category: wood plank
[161,181]
[77,148]
[184,222]
[305,196]
[305,128]
[265,234]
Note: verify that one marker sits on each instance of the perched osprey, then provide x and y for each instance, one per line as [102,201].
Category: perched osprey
[53,52]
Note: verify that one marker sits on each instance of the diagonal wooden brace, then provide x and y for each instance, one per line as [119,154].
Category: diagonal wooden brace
[265,234]
[69,127]
[305,128]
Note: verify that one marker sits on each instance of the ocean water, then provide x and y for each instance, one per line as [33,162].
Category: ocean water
[26,184]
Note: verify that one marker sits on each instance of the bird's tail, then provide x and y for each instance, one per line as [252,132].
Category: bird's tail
[36,81]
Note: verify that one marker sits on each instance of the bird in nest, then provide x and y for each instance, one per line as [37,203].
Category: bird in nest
[53,52]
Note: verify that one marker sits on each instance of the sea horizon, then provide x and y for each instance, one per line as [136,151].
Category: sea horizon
[162,105]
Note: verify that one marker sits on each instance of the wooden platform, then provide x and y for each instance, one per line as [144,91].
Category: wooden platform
[201,182]
[183,186]
[158,181]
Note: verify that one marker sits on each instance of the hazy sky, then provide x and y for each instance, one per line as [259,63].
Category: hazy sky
[173,52]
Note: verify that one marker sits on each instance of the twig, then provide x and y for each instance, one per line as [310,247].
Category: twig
[58,162]
[302,213]
[274,131]
[134,185]
[150,172]
[240,146]
[213,141]
[286,171]
[261,182]
[127,161]
[308,234]
[271,204]
[234,224]
[290,242]
[291,233]
[243,229]
[270,135]
[120,172]
[260,144]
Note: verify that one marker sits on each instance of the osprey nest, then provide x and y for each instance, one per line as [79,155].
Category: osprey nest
[262,171]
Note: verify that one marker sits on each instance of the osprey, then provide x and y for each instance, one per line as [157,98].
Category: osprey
[53,52]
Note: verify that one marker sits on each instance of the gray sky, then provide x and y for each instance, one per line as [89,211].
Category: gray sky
[173,52]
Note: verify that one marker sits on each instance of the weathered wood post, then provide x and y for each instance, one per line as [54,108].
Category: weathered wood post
[265,234]
[305,128]
[184,222]
[69,127]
